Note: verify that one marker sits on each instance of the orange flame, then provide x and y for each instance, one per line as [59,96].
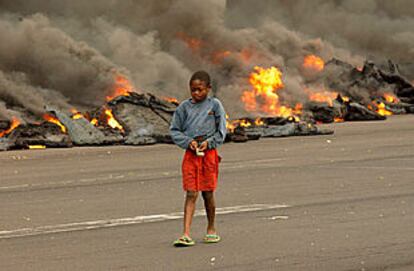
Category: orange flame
[229,125]
[266,83]
[215,57]
[245,123]
[322,96]
[54,120]
[112,122]
[193,43]
[313,62]
[94,121]
[219,56]
[391,98]
[338,119]
[76,114]
[382,111]
[122,87]
[13,125]
[171,100]
[259,122]
[246,55]
[232,124]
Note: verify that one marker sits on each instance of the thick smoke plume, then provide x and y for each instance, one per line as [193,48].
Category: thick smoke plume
[67,53]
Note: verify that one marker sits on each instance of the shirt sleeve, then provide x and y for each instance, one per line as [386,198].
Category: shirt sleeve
[218,137]
[177,129]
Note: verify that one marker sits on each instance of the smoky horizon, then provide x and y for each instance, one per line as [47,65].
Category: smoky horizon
[71,54]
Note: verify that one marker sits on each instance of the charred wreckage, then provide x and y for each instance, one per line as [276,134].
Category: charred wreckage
[131,118]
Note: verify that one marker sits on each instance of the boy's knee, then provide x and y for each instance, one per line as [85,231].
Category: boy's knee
[207,195]
[192,195]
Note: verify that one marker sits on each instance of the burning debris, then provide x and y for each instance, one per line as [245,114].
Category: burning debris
[264,97]
[145,118]
[51,64]
[384,92]
[314,63]
[29,136]
[250,129]
[133,118]
[339,92]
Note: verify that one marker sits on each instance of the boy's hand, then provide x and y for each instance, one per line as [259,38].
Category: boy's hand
[193,145]
[203,146]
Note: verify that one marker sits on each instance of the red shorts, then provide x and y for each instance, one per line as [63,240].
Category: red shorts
[200,173]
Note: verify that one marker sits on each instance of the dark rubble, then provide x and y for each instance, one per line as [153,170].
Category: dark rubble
[145,119]
[363,88]
[46,134]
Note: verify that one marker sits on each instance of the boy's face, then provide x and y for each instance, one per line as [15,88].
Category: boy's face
[199,90]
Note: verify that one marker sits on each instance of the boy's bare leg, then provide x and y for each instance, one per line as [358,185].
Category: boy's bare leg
[189,208]
[210,205]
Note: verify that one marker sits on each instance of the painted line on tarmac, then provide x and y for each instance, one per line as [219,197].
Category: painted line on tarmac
[369,167]
[98,224]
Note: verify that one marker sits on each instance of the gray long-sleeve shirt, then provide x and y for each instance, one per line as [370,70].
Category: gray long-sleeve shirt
[205,119]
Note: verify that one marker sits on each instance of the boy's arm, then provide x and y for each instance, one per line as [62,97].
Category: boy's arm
[218,138]
[176,129]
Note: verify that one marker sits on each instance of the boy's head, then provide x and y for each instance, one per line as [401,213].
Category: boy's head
[200,86]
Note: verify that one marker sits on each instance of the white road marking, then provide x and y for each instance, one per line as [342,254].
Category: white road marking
[68,182]
[369,167]
[97,224]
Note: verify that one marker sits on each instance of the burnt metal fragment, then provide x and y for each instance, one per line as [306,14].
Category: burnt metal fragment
[6,144]
[82,132]
[146,120]
[46,134]
[357,112]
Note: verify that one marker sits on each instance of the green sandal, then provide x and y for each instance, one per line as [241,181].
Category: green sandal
[184,241]
[211,238]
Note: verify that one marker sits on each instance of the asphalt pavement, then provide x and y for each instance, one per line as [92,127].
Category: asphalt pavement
[337,202]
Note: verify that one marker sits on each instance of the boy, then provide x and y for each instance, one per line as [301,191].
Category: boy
[199,127]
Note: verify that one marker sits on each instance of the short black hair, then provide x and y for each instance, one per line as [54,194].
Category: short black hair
[202,76]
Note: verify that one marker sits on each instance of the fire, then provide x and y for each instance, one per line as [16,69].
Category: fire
[76,114]
[229,124]
[202,49]
[322,96]
[94,121]
[13,125]
[232,124]
[219,56]
[171,100]
[294,118]
[249,100]
[390,98]
[338,119]
[193,43]
[382,111]
[246,55]
[122,87]
[245,123]
[345,99]
[54,120]
[266,83]
[112,122]
[243,55]
[313,62]
[259,122]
